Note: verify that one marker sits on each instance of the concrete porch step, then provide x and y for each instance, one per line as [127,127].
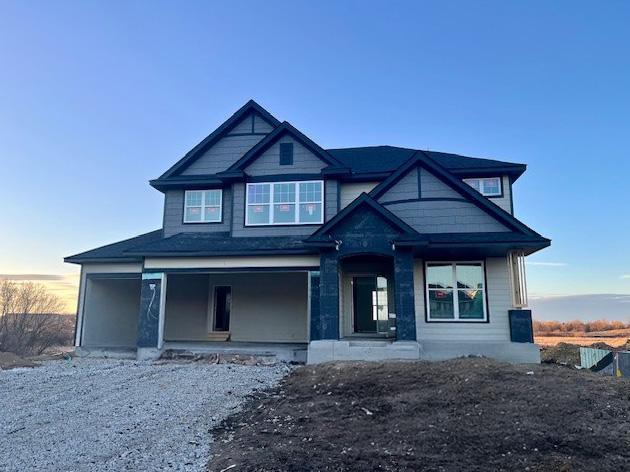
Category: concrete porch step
[219,336]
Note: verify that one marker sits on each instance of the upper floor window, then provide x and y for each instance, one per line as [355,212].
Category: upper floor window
[486,186]
[202,206]
[285,203]
[455,291]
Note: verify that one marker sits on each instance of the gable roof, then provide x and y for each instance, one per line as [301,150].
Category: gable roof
[217,134]
[422,159]
[407,232]
[386,159]
[284,129]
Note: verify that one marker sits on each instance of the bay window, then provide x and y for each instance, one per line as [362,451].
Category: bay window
[203,206]
[487,186]
[456,291]
[285,203]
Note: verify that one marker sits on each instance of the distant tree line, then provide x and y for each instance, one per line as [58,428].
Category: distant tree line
[575,326]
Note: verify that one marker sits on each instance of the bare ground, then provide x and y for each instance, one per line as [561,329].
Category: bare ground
[464,414]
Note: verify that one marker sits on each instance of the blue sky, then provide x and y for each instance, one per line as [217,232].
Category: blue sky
[96,98]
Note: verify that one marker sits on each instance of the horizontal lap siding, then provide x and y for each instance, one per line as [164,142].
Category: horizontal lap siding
[268,163]
[222,155]
[499,302]
[505,202]
[350,191]
[445,217]
[331,188]
[174,215]
[261,126]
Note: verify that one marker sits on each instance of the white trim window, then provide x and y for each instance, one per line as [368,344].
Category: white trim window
[285,203]
[203,206]
[456,291]
[487,186]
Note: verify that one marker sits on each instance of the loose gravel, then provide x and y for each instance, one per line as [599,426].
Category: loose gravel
[114,415]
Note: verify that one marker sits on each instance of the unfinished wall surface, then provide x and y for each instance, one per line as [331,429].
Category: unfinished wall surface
[499,301]
[266,307]
[186,316]
[110,312]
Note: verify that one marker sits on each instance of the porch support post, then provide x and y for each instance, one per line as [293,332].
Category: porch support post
[403,290]
[325,324]
[151,315]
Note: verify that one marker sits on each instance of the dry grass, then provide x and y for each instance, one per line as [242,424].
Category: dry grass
[615,341]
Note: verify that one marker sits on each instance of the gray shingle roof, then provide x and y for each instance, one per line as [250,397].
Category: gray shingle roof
[116,251]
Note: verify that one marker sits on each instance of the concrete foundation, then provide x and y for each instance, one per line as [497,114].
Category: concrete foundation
[375,350]
[515,353]
[148,353]
[361,350]
[105,352]
[281,352]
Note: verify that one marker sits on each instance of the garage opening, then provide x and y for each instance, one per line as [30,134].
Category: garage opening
[110,311]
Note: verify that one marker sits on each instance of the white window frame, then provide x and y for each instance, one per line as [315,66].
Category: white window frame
[204,206]
[481,181]
[518,279]
[297,203]
[456,318]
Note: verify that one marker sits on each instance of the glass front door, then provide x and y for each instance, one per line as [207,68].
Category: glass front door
[371,313]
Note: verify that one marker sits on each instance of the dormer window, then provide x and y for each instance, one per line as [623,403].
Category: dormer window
[202,206]
[285,203]
[486,186]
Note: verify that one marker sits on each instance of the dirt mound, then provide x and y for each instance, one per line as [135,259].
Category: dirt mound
[465,414]
[8,360]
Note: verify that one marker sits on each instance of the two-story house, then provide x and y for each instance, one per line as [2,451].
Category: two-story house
[271,243]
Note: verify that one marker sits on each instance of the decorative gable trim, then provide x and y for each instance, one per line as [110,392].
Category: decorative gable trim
[250,107]
[287,129]
[423,160]
[406,231]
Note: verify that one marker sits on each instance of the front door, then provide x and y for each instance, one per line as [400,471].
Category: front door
[371,314]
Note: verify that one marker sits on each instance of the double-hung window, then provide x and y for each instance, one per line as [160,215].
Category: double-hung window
[487,186]
[456,291]
[285,203]
[202,206]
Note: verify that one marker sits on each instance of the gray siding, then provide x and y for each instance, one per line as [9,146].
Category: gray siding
[445,217]
[268,163]
[331,189]
[499,302]
[505,201]
[261,126]
[405,188]
[432,187]
[350,191]
[174,215]
[223,154]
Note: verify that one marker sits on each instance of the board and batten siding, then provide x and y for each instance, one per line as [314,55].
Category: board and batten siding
[252,123]
[350,191]
[499,301]
[331,188]
[268,163]
[223,154]
[174,215]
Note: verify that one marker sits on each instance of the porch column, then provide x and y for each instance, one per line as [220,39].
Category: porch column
[325,324]
[151,316]
[404,296]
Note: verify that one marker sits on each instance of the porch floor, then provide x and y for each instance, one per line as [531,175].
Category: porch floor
[286,352]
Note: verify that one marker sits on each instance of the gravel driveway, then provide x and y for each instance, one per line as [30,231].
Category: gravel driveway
[113,415]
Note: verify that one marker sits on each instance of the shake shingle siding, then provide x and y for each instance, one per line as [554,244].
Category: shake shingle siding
[304,161]
[432,187]
[406,188]
[174,215]
[445,217]
[223,154]
[505,202]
